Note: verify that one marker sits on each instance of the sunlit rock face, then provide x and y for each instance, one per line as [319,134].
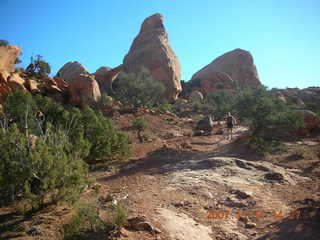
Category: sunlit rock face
[229,71]
[151,49]
[71,70]
[8,56]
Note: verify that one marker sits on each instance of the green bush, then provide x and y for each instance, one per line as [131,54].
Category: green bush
[222,102]
[264,112]
[20,108]
[89,132]
[118,217]
[106,141]
[139,90]
[35,169]
[264,147]
[86,219]
[165,106]
[140,123]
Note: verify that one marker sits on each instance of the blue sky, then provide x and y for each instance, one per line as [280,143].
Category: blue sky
[282,35]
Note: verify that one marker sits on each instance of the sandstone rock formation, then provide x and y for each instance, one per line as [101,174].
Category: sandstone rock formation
[151,50]
[229,71]
[196,97]
[105,77]
[8,56]
[14,81]
[71,70]
[216,81]
[299,97]
[83,89]
[9,82]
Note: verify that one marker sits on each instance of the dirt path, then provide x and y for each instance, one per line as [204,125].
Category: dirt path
[201,187]
[214,187]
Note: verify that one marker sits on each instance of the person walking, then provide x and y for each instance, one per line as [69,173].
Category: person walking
[231,122]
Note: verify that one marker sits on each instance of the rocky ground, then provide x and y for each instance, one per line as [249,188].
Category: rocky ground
[179,186]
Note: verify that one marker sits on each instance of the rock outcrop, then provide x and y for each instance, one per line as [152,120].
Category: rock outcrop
[71,70]
[212,81]
[83,89]
[311,121]
[299,97]
[229,71]
[9,82]
[151,50]
[196,97]
[105,77]
[8,56]
[14,81]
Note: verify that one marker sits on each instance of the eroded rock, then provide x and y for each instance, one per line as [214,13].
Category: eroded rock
[151,50]
[83,89]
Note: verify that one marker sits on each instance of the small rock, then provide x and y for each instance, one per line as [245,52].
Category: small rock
[240,194]
[274,176]
[178,204]
[109,198]
[243,219]
[250,225]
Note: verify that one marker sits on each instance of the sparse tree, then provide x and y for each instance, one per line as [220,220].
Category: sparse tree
[38,68]
[4,42]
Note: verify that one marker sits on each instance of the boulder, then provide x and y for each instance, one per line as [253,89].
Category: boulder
[83,89]
[71,70]
[9,82]
[205,125]
[33,86]
[4,76]
[14,81]
[233,69]
[105,77]
[8,56]
[51,86]
[151,50]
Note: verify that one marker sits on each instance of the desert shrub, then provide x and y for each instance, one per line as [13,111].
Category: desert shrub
[20,109]
[264,147]
[103,102]
[222,102]
[139,90]
[118,217]
[165,106]
[38,68]
[106,141]
[263,112]
[86,219]
[35,169]
[91,135]
[140,123]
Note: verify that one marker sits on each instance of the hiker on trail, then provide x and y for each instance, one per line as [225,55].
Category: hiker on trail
[231,121]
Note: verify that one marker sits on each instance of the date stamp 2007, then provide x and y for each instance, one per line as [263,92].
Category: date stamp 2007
[258,214]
